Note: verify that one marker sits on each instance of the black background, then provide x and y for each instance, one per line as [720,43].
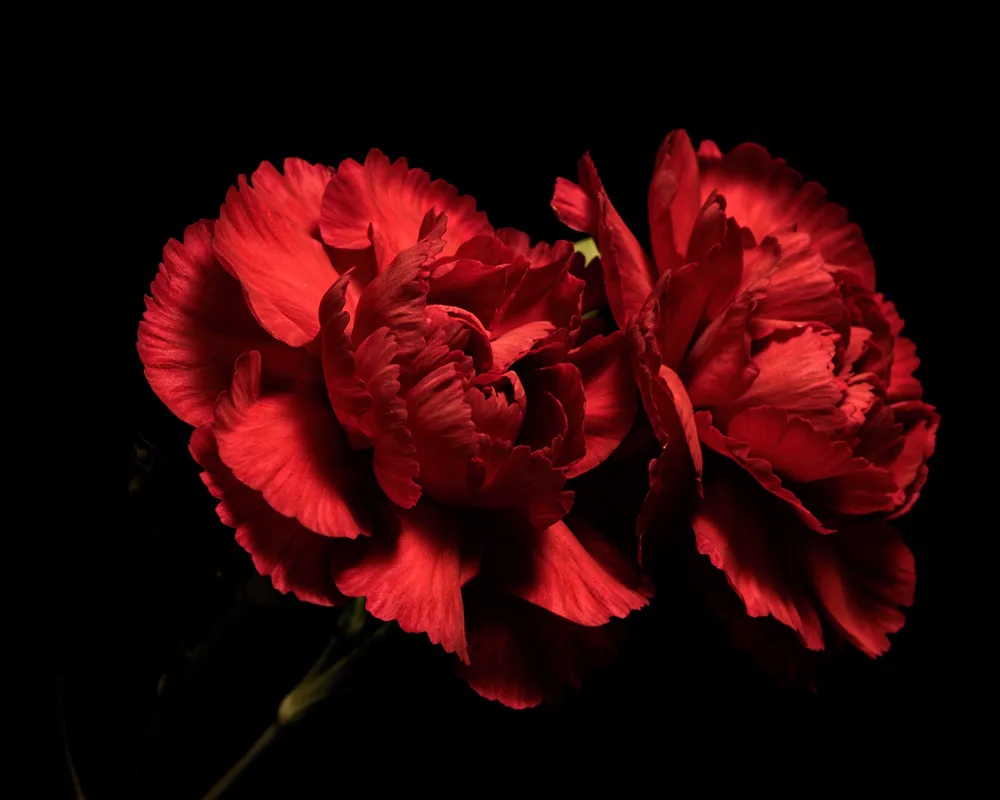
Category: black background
[151,572]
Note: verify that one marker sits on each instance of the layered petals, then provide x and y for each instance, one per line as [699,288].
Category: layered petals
[293,557]
[196,325]
[284,271]
[862,577]
[674,199]
[413,575]
[518,478]
[629,276]
[611,401]
[757,559]
[397,299]
[766,195]
[393,200]
[444,434]
[553,569]
[522,655]
[289,448]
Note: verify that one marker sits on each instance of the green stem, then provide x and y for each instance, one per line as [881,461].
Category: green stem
[313,688]
[227,780]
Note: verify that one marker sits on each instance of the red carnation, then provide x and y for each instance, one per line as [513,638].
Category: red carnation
[777,382]
[389,398]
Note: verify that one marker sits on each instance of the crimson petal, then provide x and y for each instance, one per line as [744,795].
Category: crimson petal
[290,449]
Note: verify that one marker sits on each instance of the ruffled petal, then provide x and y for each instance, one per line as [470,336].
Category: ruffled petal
[522,655]
[673,199]
[908,464]
[611,399]
[794,448]
[296,193]
[413,575]
[902,385]
[757,559]
[575,207]
[719,368]
[796,372]
[395,462]
[565,384]
[505,476]
[546,291]
[664,395]
[760,468]
[629,276]
[293,557]
[545,425]
[765,195]
[397,300]
[799,290]
[827,472]
[290,449]
[443,432]
[197,324]
[518,342]
[481,277]
[461,330]
[347,391]
[284,271]
[862,576]
[393,199]
[553,569]
[498,409]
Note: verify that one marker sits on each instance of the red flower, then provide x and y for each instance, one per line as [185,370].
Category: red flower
[409,396]
[777,382]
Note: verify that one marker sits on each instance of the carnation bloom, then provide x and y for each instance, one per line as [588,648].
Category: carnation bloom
[777,382]
[389,397]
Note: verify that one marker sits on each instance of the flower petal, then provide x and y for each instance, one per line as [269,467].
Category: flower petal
[920,423]
[293,557]
[413,575]
[565,384]
[719,367]
[518,342]
[663,392]
[290,449]
[397,299]
[755,555]
[575,206]
[498,408]
[347,391]
[546,291]
[297,194]
[862,576]
[902,384]
[674,201]
[504,476]
[284,271]
[611,399]
[553,569]
[794,448]
[798,290]
[443,432]
[522,655]
[481,277]
[395,463]
[393,199]
[760,468]
[463,331]
[765,195]
[197,324]
[629,276]
[796,373]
